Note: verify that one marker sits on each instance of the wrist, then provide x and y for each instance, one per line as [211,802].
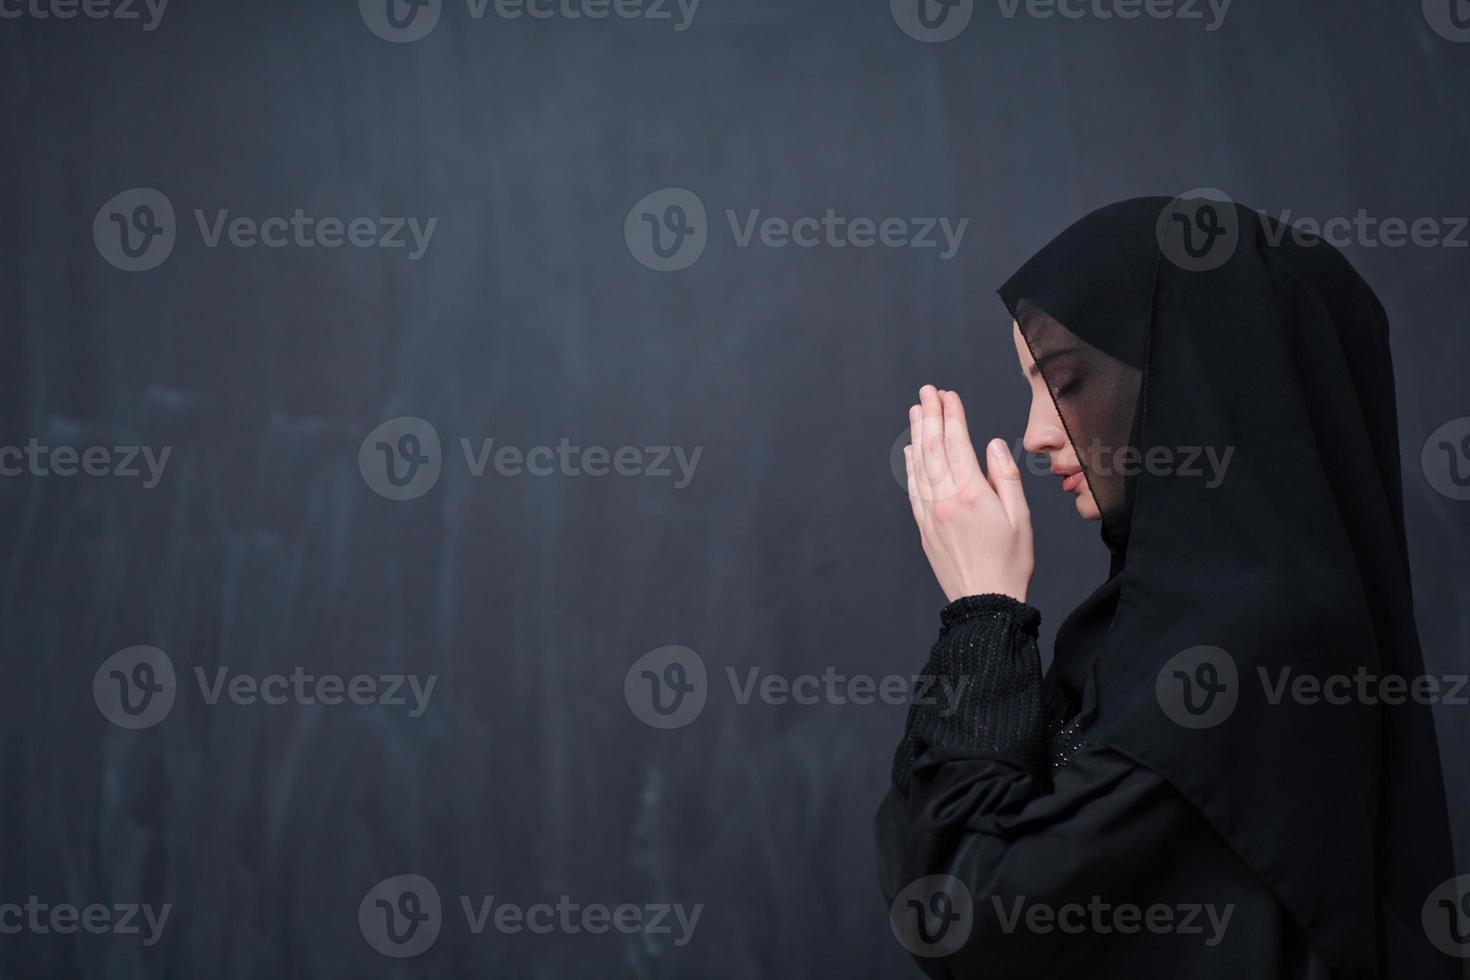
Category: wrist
[1013,590]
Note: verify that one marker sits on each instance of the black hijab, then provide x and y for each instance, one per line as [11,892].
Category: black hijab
[1296,559]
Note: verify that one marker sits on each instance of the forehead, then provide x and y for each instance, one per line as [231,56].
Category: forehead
[1023,351]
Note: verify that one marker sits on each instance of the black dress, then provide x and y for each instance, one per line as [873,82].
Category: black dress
[1077,861]
[1321,830]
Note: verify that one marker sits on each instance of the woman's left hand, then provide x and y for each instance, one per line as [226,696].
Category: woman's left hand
[975,526]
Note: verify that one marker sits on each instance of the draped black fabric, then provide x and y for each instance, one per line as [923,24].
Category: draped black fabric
[1294,560]
[997,809]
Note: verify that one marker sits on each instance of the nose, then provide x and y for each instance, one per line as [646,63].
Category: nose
[1044,431]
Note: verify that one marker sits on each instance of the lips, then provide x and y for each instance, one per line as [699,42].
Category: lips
[1071,477]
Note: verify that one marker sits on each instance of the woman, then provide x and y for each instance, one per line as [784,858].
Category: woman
[1163,803]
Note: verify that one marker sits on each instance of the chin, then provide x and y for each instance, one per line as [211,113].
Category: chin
[1088,508]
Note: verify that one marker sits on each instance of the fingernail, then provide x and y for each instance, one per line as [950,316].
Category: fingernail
[997,449]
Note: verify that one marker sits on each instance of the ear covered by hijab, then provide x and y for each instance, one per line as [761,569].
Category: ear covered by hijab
[1294,563]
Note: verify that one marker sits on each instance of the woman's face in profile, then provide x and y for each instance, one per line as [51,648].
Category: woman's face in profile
[1046,434]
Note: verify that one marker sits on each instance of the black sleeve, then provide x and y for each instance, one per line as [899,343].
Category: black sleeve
[984,681]
[977,832]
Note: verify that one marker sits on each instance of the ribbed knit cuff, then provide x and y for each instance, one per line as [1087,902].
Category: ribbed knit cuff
[1026,618]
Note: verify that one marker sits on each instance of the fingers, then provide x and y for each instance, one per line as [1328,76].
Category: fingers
[940,449]
[954,409]
[1005,477]
[935,481]
[916,503]
[960,451]
[913,454]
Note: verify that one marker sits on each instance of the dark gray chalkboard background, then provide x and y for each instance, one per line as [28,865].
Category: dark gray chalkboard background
[528,320]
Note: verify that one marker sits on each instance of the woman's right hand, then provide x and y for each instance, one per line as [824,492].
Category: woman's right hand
[975,526]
